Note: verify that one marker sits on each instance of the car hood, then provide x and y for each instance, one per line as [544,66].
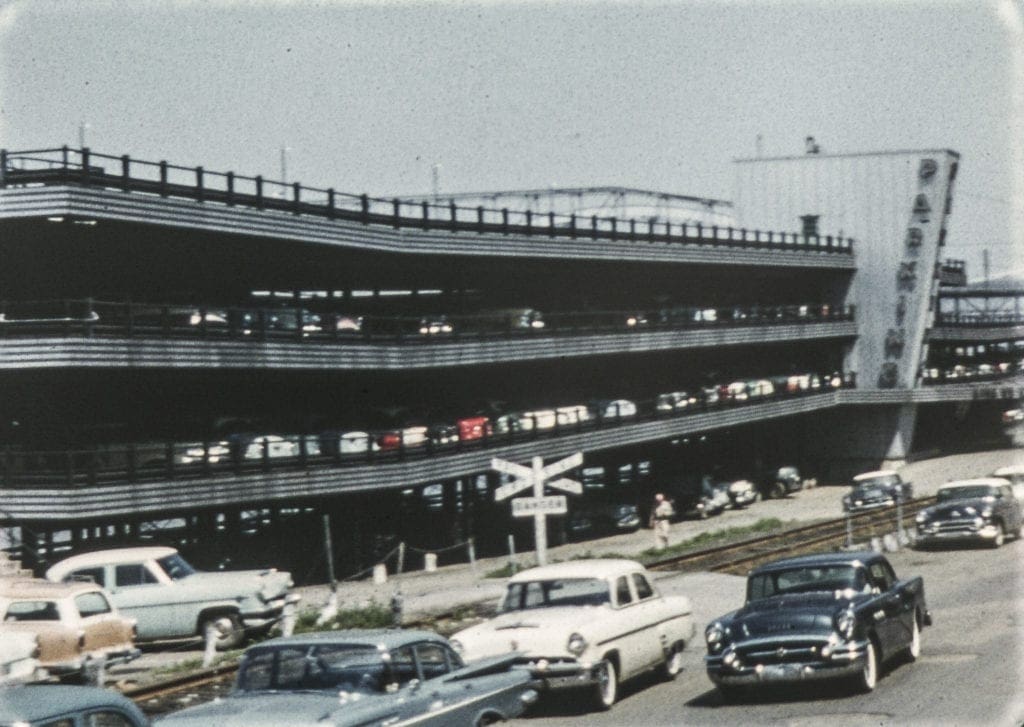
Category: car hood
[789,614]
[300,709]
[533,632]
[270,583]
[959,508]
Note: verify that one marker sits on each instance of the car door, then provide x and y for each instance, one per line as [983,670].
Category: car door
[654,613]
[633,635]
[138,592]
[893,611]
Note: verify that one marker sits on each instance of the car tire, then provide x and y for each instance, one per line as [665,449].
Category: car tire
[778,491]
[606,687]
[1000,538]
[868,676]
[232,633]
[914,647]
[673,665]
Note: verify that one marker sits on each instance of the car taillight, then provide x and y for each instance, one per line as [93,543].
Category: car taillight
[81,639]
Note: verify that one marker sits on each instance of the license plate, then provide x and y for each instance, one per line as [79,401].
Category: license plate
[780,672]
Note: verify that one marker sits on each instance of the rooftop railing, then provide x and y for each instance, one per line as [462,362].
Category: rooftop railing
[84,167]
[979,319]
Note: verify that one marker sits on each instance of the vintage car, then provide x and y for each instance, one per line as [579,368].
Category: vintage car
[673,401]
[585,624]
[19,657]
[742,493]
[984,510]
[61,705]
[871,490]
[172,600]
[76,625]
[358,677]
[780,482]
[825,616]
[602,516]
[614,409]
[1014,474]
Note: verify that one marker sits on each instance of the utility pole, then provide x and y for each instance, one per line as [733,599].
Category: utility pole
[435,180]
[985,265]
[82,128]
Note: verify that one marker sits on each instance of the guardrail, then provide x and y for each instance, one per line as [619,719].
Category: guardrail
[89,318]
[971,374]
[64,165]
[161,461]
[980,320]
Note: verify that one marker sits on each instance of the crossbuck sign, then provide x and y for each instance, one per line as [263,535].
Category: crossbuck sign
[539,506]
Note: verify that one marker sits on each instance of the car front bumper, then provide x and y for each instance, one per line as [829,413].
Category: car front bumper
[946,532]
[273,612]
[847,660]
[561,674]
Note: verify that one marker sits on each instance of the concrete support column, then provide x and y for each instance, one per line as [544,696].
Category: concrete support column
[862,438]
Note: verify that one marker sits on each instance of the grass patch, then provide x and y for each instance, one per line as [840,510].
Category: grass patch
[764,525]
[373,616]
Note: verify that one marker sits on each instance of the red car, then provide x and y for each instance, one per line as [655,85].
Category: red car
[472,428]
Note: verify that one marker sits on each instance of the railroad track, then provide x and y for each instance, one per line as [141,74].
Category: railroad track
[736,557]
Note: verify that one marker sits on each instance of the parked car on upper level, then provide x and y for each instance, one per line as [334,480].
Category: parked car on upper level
[435,326]
[473,428]
[983,510]
[674,401]
[586,624]
[1013,416]
[363,677]
[19,658]
[61,705]
[76,624]
[171,600]
[615,409]
[880,488]
[569,415]
[824,616]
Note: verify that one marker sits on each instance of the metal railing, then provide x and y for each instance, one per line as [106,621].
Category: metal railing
[959,374]
[90,318]
[242,454]
[64,165]
[980,319]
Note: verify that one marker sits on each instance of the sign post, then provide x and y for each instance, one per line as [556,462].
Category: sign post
[539,506]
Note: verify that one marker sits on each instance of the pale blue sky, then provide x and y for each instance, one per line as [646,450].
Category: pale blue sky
[368,96]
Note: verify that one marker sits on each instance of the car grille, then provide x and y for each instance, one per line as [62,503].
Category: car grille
[955,526]
[788,653]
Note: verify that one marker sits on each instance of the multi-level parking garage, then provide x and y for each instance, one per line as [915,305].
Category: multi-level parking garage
[215,358]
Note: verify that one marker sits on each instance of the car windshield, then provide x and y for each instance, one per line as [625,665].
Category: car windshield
[556,592]
[804,579]
[964,493]
[319,667]
[175,566]
[870,490]
[880,481]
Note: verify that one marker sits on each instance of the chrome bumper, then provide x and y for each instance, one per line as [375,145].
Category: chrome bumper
[561,674]
[272,614]
[844,662]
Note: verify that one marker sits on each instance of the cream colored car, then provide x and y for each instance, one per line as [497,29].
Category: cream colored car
[76,624]
[586,624]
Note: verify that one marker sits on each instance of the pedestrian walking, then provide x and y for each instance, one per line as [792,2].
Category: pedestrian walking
[661,516]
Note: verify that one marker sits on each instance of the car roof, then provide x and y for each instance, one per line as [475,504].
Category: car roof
[873,475]
[39,588]
[386,638]
[978,482]
[586,568]
[819,559]
[1013,469]
[31,702]
[114,555]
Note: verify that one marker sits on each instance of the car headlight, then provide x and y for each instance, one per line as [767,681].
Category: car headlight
[457,645]
[845,624]
[576,644]
[986,513]
[714,634]
[922,517]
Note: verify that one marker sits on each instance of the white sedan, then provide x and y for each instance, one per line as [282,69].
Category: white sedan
[586,624]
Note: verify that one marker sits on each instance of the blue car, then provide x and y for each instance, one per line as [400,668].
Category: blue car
[364,677]
[46,705]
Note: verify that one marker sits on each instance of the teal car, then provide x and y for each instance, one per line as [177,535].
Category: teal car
[172,600]
[364,677]
[58,705]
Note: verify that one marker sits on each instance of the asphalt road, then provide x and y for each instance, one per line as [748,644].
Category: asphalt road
[971,670]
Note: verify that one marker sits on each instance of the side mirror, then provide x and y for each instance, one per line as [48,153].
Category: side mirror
[413,685]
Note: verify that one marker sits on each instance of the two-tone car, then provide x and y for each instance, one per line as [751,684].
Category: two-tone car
[825,616]
[882,488]
[364,677]
[586,625]
[75,624]
[172,600]
[982,510]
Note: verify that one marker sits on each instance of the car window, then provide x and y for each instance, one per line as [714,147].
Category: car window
[91,604]
[433,660]
[643,588]
[63,722]
[882,576]
[622,594]
[32,611]
[135,574]
[403,668]
[107,718]
[94,575]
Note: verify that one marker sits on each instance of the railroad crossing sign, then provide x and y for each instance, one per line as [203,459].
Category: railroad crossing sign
[539,506]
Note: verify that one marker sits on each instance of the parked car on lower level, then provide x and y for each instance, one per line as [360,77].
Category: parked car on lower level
[171,600]
[983,510]
[585,624]
[825,616]
[780,482]
[19,658]
[742,493]
[362,677]
[76,624]
[61,705]
[1013,416]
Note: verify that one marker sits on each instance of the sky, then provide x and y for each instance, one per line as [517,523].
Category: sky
[369,96]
